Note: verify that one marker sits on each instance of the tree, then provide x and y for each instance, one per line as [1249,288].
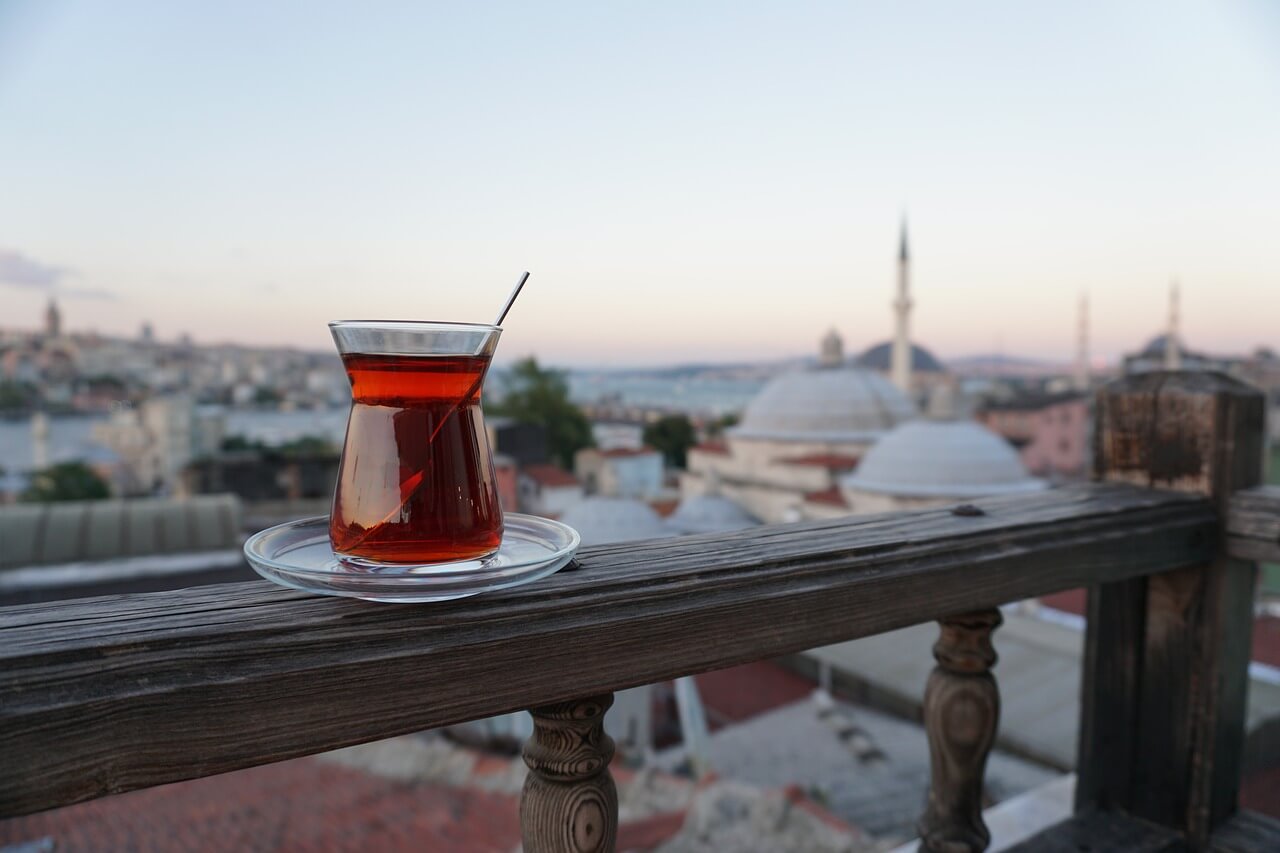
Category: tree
[533,394]
[716,428]
[66,481]
[673,435]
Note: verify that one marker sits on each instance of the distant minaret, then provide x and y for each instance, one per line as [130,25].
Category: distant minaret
[831,353]
[1172,338]
[1081,378]
[52,320]
[900,359]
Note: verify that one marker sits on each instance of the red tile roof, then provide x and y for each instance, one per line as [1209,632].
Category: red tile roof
[832,497]
[549,475]
[712,447]
[664,508]
[304,804]
[833,461]
[624,452]
[742,692]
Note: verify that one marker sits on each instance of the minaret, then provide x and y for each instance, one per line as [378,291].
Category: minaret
[900,358]
[1172,345]
[831,352]
[1081,378]
[52,320]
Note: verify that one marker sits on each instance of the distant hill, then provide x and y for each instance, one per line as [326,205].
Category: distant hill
[1004,365]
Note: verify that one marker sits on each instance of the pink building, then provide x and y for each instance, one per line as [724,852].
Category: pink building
[1051,432]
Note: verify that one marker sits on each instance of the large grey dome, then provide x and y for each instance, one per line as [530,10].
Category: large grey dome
[958,459]
[601,520]
[878,357]
[834,404]
[710,514]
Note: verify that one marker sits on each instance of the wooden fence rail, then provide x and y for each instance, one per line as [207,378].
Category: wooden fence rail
[105,695]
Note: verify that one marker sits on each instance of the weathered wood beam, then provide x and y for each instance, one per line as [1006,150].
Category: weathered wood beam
[1166,656]
[105,695]
[1253,524]
[961,712]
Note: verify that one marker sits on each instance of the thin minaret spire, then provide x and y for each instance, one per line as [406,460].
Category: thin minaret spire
[1172,338]
[1081,379]
[900,357]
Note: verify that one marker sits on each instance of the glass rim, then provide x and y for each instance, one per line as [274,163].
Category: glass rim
[414,325]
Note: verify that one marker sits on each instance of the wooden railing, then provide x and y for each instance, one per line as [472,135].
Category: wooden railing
[99,696]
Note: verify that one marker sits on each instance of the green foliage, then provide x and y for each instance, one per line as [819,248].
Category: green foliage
[66,481]
[265,395]
[17,397]
[308,445]
[716,428]
[673,435]
[533,394]
[303,445]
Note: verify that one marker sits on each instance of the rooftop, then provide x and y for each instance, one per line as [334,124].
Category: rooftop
[549,475]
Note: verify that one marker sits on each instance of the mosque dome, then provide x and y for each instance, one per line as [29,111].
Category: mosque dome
[601,520]
[710,514]
[832,404]
[957,459]
[1156,346]
[879,356]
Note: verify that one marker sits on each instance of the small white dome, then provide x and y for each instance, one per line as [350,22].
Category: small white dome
[833,404]
[600,520]
[957,459]
[710,514]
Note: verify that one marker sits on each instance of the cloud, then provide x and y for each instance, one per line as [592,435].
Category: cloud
[19,270]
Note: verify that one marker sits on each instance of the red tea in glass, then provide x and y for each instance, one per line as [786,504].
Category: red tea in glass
[416,483]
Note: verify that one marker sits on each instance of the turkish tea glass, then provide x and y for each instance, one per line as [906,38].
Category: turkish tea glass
[416,483]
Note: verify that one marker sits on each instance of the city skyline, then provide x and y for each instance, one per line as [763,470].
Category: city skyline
[717,184]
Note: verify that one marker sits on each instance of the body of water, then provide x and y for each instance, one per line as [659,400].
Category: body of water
[693,394]
[72,437]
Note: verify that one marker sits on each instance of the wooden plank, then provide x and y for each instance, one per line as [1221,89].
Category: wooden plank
[1253,524]
[105,695]
[1102,832]
[1109,693]
[1166,665]
[1247,832]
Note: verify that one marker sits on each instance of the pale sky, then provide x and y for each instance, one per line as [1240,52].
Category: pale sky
[685,180]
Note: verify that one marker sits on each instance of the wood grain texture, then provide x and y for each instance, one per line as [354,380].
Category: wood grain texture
[961,712]
[1167,659]
[1253,524]
[569,803]
[105,695]
[1103,832]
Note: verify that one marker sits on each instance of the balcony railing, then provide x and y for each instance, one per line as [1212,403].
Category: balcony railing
[101,696]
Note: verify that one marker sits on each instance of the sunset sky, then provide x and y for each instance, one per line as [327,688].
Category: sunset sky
[686,181]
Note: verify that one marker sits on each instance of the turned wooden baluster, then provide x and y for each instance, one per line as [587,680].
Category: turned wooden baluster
[961,710]
[569,803]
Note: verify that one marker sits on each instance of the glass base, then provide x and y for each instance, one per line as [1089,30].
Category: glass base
[298,555]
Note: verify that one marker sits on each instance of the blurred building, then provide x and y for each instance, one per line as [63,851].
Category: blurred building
[620,472]
[156,440]
[926,463]
[798,436]
[1052,432]
[524,443]
[547,490]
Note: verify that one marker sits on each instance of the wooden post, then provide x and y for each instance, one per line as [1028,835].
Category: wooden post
[569,803]
[1166,657]
[961,712]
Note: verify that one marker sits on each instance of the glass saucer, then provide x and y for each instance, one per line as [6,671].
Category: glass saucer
[298,555]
